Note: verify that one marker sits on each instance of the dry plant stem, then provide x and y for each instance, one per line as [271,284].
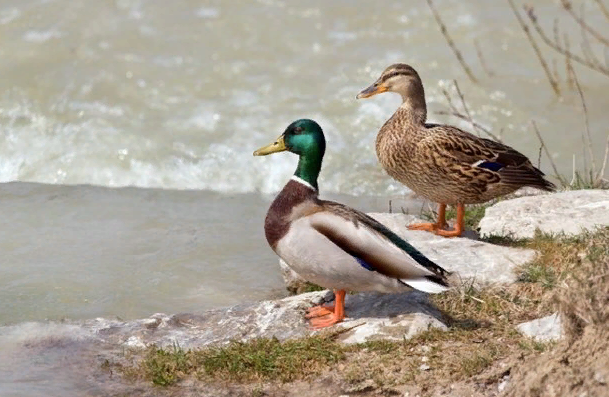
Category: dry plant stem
[470,118]
[464,117]
[581,22]
[604,9]
[586,122]
[568,64]
[601,173]
[542,61]
[591,64]
[451,43]
[545,148]
[488,72]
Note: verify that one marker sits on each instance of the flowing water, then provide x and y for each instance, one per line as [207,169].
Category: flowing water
[159,106]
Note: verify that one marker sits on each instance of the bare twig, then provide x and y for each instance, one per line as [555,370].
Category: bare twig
[467,112]
[540,57]
[568,64]
[547,152]
[594,65]
[604,9]
[539,157]
[566,4]
[488,72]
[586,122]
[451,43]
[465,118]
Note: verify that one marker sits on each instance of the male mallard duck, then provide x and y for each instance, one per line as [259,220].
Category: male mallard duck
[440,162]
[333,245]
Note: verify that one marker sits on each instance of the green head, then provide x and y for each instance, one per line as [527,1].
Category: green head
[305,138]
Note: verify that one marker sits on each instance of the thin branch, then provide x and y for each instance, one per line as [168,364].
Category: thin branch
[581,22]
[545,148]
[539,157]
[540,57]
[586,122]
[604,9]
[451,43]
[568,64]
[465,118]
[488,72]
[596,66]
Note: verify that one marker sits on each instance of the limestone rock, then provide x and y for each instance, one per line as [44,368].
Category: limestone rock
[569,212]
[545,329]
[372,316]
[293,282]
[468,258]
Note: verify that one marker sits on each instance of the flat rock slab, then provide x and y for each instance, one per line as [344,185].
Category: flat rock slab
[371,316]
[568,212]
[545,329]
[468,258]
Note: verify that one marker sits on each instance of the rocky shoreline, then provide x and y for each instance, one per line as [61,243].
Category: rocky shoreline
[87,345]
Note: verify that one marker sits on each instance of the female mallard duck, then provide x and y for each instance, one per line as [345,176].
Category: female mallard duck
[440,162]
[333,245]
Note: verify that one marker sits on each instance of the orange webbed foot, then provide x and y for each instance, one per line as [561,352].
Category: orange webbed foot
[319,311]
[326,316]
[326,321]
[428,227]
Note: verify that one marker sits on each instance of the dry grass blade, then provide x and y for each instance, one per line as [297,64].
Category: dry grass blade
[588,138]
[601,173]
[591,64]
[553,82]
[562,180]
[451,43]
[466,118]
[582,22]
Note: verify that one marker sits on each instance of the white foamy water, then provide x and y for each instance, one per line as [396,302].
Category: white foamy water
[171,99]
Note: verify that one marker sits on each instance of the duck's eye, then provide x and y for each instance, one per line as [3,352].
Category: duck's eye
[297,130]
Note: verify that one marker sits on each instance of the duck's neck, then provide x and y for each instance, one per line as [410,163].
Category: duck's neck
[413,102]
[309,166]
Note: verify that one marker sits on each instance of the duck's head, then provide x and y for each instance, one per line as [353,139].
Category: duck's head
[303,137]
[400,78]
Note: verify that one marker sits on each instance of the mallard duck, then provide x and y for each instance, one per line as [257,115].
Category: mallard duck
[335,246]
[440,162]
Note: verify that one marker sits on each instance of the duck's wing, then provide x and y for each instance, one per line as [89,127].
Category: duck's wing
[479,159]
[377,247]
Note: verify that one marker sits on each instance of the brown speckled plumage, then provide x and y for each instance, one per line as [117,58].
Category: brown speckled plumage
[440,162]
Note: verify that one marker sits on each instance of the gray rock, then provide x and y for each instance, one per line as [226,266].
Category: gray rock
[371,316]
[468,258]
[569,212]
[545,329]
[293,282]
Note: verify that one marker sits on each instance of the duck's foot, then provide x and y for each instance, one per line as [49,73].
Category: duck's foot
[458,224]
[326,316]
[319,311]
[428,227]
[327,321]
[432,227]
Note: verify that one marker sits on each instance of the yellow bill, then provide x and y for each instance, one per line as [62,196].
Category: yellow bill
[275,147]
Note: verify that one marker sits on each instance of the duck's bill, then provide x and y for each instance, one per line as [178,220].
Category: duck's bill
[275,147]
[372,90]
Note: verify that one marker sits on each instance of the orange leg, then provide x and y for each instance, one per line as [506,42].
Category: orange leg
[432,227]
[458,225]
[332,318]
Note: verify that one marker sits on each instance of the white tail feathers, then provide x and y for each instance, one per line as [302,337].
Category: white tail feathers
[425,285]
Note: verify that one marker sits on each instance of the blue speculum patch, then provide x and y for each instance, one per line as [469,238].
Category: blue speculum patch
[489,165]
[365,264]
